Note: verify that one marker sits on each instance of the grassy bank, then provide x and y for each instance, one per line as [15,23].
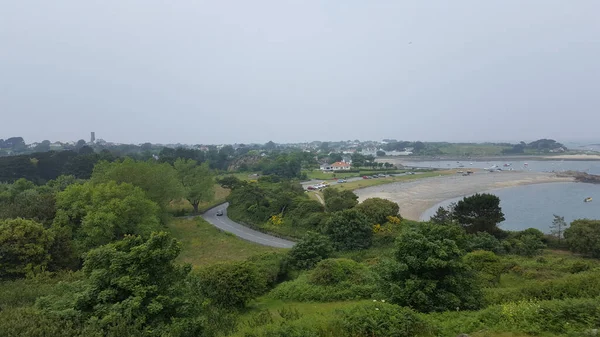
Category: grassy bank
[204,244]
[354,185]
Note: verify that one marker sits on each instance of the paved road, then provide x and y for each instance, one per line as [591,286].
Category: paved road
[224,223]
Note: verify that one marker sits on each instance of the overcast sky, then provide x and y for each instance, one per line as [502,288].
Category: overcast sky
[287,71]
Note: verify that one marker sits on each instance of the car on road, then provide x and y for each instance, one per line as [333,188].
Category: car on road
[219,212]
[366,177]
[342,181]
[311,188]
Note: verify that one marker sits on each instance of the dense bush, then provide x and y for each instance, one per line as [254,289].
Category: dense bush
[378,210]
[381,319]
[308,287]
[24,246]
[529,242]
[336,200]
[484,241]
[333,271]
[580,285]
[349,230]
[489,267]
[229,285]
[428,273]
[312,248]
[272,268]
[584,237]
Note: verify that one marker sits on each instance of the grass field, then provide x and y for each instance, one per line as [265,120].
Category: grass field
[320,175]
[204,244]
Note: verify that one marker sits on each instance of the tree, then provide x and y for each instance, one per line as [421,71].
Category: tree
[377,209]
[349,230]
[231,182]
[558,227]
[134,280]
[487,264]
[43,146]
[97,214]
[158,180]
[428,273]
[479,213]
[358,160]
[338,201]
[380,153]
[584,237]
[444,216]
[312,248]
[24,246]
[197,181]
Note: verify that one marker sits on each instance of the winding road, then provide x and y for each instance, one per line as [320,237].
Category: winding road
[224,223]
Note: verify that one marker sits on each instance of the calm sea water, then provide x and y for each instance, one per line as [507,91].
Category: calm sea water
[533,205]
[591,167]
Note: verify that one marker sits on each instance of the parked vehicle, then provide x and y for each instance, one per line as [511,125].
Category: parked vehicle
[219,212]
[341,181]
[366,177]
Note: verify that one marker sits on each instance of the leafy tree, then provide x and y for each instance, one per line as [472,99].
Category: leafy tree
[312,248]
[380,153]
[484,241]
[358,160]
[428,273]
[229,285]
[349,230]
[132,280]
[230,182]
[24,247]
[528,242]
[377,209]
[98,214]
[479,213]
[584,237]
[197,181]
[336,200]
[444,216]
[558,227]
[159,181]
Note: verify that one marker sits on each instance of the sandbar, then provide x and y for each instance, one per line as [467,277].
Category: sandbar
[415,197]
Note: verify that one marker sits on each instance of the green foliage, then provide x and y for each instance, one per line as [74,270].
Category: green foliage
[272,268]
[528,242]
[24,246]
[231,182]
[159,181]
[377,209]
[581,285]
[303,289]
[229,285]
[132,280]
[484,241]
[443,216]
[479,213]
[97,214]
[23,199]
[332,271]
[584,237]
[336,200]
[487,264]
[428,273]
[197,181]
[312,248]
[381,319]
[349,230]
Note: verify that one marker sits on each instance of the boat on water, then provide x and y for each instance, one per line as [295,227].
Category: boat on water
[588,199]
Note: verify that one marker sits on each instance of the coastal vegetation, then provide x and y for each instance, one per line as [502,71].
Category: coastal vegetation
[103,254]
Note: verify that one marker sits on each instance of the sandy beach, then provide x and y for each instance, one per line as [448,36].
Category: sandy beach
[415,197]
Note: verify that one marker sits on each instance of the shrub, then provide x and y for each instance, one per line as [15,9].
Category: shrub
[584,237]
[332,271]
[311,249]
[303,289]
[487,264]
[428,273]
[25,245]
[272,268]
[380,319]
[579,267]
[229,285]
[378,210]
[349,230]
[484,241]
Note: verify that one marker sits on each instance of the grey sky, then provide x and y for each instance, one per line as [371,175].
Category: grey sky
[253,71]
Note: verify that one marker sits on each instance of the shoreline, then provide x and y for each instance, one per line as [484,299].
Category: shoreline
[573,157]
[416,197]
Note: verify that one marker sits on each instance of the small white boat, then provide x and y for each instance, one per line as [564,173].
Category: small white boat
[588,199]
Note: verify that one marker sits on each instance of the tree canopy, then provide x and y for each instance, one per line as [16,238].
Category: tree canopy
[336,200]
[24,246]
[479,213]
[378,210]
[584,237]
[197,181]
[349,230]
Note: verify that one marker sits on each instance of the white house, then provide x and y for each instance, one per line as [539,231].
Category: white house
[337,166]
